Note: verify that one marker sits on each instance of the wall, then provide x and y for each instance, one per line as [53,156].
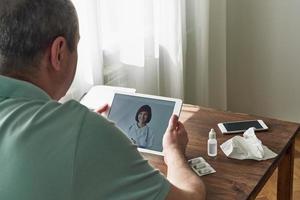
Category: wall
[263,57]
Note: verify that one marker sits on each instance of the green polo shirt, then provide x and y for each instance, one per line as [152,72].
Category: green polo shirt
[59,151]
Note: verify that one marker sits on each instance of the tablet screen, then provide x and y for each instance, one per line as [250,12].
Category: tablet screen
[143,120]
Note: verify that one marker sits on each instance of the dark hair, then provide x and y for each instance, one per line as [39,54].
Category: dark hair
[27,28]
[144,108]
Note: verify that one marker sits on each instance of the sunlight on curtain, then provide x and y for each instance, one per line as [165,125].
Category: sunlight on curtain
[159,47]
[89,68]
[123,30]
[142,45]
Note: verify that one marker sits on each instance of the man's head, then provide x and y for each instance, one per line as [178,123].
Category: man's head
[28,31]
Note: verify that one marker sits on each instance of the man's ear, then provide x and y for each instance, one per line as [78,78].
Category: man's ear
[57,52]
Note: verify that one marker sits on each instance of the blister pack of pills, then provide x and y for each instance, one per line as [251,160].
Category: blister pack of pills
[200,166]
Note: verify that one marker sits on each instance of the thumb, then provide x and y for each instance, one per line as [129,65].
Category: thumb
[173,122]
[102,109]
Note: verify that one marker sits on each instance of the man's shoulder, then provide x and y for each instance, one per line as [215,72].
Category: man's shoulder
[71,107]
[91,122]
[60,116]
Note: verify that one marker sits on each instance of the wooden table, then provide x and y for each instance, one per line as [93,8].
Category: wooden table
[238,179]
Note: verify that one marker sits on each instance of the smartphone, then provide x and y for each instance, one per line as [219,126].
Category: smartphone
[241,126]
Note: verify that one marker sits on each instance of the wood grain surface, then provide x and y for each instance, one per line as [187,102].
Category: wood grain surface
[269,191]
[234,179]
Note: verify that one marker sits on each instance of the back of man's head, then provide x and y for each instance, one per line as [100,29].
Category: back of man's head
[28,27]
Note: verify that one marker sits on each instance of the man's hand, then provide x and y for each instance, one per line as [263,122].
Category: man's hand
[103,110]
[175,139]
[185,183]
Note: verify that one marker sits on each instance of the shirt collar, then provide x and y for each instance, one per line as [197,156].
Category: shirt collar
[14,88]
[137,127]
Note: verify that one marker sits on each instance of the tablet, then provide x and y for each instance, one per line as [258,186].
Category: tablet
[241,126]
[143,118]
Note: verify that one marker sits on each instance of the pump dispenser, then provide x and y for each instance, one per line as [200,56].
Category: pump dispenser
[212,144]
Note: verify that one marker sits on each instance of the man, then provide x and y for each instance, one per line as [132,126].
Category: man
[58,151]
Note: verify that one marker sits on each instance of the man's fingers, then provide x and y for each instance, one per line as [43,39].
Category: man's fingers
[180,126]
[102,109]
[173,122]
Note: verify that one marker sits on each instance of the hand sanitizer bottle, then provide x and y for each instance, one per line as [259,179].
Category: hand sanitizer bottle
[212,144]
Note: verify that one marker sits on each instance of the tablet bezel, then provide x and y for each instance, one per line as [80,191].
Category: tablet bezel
[176,110]
[225,131]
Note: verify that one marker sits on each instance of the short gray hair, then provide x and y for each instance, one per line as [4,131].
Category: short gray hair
[27,28]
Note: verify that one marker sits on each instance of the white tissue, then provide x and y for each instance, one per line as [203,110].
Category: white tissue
[247,147]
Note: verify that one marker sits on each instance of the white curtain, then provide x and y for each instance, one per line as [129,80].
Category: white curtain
[156,46]
[90,61]
[143,44]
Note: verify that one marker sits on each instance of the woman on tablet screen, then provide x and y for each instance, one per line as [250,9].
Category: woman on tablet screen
[139,132]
